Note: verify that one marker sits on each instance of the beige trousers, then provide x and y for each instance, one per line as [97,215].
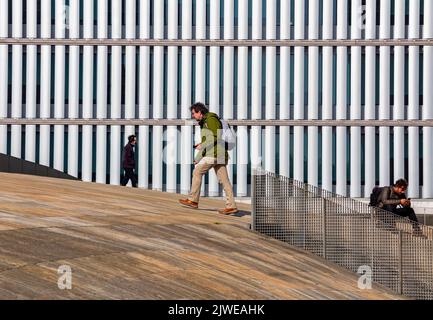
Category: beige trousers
[202,168]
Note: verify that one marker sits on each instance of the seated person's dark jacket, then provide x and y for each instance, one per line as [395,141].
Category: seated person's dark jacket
[388,199]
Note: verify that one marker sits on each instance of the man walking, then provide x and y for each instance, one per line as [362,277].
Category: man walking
[129,162]
[212,154]
[393,199]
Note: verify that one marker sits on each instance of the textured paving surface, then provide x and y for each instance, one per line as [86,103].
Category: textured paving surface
[124,243]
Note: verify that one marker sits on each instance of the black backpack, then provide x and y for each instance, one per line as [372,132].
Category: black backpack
[374,196]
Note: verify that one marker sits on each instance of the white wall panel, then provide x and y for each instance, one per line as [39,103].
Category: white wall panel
[73,106]
[30,143]
[242,156]
[256,85]
[144,96]
[158,82]
[327,79]
[101,99]
[45,81]
[214,79]
[186,87]
[130,66]
[270,88]
[413,107]
[313,94]
[370,99]
[4,62]
[428,102]
[88,78]
[399,89]
[172,74]
[17,70]
[384,94]
[130,69]
[116,93]
[298,148]
[341,107]
[228,74]
[59,86]
[200,66]
[355,102]
[285,26]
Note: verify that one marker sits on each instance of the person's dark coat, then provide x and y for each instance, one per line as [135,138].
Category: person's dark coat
[388,199]
[128,157]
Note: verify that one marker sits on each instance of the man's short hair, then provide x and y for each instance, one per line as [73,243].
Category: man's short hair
[199,107]
[131,138]
[401,183]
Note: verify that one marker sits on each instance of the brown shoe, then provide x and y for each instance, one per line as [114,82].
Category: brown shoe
[228,210]
[188,203]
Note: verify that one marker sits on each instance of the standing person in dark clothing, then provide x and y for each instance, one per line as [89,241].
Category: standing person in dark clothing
[393,199]
[129,162]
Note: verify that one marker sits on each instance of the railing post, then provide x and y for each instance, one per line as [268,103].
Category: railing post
[400,262]
[253,200]
[324,226]
[304,223]
[372,235]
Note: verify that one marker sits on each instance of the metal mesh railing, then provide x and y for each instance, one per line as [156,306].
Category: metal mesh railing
[345,231]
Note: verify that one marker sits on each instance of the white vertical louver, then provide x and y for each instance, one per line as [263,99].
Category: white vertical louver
[73,104]
[59,86]
[214,79]
[30,142]
[242,102]
[158,82]
[186,87]
[87,137]
[285,26]
[256,85]
[4,61]
[101,99]
[45,81]
[399,89]
[200,64]
[116,93]
[341,101]
[370,98]
[413,107]
[144,96]
[172,74]
[313,93]
[130,66]
[270,88]
[327,80]
[17,70]
[298,147]
[428,102]
[228,71]
[355,101]
[384,94]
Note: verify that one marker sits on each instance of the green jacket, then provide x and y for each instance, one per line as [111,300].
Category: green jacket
[211,143]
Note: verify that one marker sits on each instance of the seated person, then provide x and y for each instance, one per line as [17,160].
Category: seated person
[393,199]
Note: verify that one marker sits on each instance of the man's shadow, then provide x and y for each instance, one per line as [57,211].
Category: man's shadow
[239,214]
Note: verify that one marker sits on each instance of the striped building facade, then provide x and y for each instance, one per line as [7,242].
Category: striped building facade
[244,81]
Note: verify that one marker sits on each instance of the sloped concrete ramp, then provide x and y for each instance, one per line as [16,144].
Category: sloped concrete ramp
[124,243]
